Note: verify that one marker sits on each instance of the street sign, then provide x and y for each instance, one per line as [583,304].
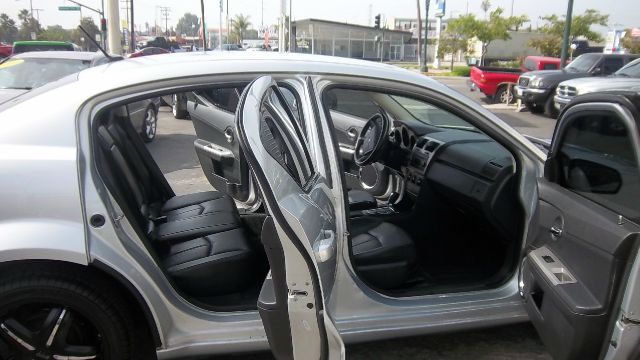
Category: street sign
[68,8]
[440,8]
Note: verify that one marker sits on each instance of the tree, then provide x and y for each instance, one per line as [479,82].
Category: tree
[450,43]
[8,29]
[485,6]
[631,44]
[551,43]
[55,33]
[496,27]
[28,25]
[239,26]
[77,35]
[188,25]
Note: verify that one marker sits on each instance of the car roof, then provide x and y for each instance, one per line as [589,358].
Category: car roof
[41,42]
[70,55]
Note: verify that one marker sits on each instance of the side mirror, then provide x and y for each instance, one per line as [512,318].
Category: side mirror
[588,176]
[596,71]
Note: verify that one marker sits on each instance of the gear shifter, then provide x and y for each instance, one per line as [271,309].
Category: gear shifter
[393,199]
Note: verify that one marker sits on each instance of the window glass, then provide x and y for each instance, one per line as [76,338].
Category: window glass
[34,72]
[550,67]
[597,160]
[583,63]
[352,102]
[611,65]
[529,64]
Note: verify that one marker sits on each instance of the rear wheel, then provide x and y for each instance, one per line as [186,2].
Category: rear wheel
[503,95]
[149,124]
[45,317]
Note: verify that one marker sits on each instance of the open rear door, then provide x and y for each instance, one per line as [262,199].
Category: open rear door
[299,235]
[581,250]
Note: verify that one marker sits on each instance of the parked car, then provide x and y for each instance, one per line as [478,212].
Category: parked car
[627,78]
[149,51]
[496,82]
[101,259]
[5,50]
[40,45]
[536,89]
[231,47]
[24,72]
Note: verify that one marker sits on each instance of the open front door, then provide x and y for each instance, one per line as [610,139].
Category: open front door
[212,111]
[581,251]
[300,234]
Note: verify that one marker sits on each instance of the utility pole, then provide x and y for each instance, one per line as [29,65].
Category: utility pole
[567,31]
[422,67]
[133,30]
[113,23]
[228,34]
[204,29]
[38,13]
[220,27]
[425,68]
[164,12]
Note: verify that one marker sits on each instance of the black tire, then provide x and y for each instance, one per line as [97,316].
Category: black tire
[500,97]
[549,107]
[149,124]
[178,107]
[533,108]
[94,316]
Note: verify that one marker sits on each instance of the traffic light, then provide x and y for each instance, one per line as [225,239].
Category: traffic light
[376,22]
[103,24]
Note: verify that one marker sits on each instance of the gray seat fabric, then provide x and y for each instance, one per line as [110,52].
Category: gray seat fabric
[383,253]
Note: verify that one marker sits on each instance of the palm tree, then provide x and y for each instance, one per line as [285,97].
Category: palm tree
[239,26]
[485,6]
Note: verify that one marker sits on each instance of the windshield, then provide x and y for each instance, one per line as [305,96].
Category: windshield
[583,63]
[31,73]
[429,114]
[631,70]
[20,48]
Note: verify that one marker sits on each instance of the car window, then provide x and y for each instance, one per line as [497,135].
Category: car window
[21,48]
[34,72]
[632,69]
[583,63]
[611,65]
[550,67]
[352,102]
[530,64]
[597,160]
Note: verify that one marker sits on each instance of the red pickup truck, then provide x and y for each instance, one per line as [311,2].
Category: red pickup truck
[5,50]
[495,82]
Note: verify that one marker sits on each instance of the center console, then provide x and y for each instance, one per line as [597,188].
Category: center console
[421,155]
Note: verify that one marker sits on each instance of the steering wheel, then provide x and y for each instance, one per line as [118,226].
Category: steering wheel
[372,140]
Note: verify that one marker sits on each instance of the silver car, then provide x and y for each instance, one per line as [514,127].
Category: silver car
[354,202]
[627,78]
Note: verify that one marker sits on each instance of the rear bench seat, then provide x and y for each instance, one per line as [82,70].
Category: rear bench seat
[198,237]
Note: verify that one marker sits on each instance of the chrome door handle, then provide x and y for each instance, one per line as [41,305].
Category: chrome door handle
[352,133]
[556,232]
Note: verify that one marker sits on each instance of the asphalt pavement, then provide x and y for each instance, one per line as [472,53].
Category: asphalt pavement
[174,152]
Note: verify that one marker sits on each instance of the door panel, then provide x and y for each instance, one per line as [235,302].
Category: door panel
[580,247]
[301,238]
[217,144]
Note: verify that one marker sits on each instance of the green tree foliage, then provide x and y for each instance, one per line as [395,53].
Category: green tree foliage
[55,33]
[631,44]
[455,38]
[239,26]
[496,27]
[77,35]
[8,29]
[28,25]
[551,43]
[188,25]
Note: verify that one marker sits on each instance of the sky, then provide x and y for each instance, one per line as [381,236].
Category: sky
[623,13]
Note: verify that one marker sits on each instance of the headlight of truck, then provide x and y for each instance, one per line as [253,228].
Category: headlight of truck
[537,83]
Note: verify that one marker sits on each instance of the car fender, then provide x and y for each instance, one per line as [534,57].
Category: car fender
[35,239]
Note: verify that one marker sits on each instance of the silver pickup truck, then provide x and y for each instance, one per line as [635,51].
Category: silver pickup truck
[627,78]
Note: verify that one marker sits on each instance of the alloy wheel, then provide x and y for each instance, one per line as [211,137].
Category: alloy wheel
[150,124]
[45,331]
[174,105]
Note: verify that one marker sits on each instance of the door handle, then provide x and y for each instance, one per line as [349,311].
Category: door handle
[352,133]
[556,232]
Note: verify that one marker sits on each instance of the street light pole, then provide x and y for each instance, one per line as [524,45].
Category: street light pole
[567,31]
[424,67]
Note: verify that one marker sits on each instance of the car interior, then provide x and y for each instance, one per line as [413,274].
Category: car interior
[432,201]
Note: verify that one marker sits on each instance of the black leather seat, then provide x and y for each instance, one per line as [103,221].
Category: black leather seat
[216,264]
[361,200]
[383,253]
[195,235]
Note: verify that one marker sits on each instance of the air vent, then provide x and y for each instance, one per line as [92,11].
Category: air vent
[421,143]
[431,146]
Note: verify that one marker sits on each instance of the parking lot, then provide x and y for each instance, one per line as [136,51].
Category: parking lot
[173,150]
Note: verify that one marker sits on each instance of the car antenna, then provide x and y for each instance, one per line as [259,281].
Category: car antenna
[111,58]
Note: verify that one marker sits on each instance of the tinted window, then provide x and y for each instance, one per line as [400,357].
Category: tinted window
[611,65]
[41,47]
[352,102]
[632,69]
[597,160]
[583,63]
[549,67]
[529,64]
